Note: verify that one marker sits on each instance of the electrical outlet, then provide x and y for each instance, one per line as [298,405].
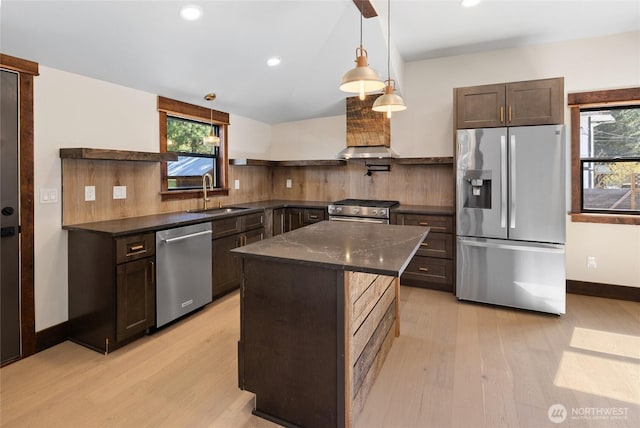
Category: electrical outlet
[119,192]
[591,262]
[89,193]
[236,184]
[289,183]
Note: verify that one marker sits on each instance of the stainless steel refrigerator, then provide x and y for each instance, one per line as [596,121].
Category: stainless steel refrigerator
[511,209]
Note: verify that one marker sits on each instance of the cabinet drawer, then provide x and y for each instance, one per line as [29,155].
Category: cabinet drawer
[437,223]
[225,227]
[252,236]
[437,245]
[312,215]
[135,247]
[429,269]
[253,221]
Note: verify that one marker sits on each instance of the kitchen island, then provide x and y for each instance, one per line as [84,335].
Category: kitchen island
[319,309]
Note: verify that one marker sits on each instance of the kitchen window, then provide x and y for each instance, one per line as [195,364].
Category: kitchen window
[182,129]
[605,144]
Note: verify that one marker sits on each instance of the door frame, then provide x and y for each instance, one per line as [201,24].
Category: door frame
[27,70]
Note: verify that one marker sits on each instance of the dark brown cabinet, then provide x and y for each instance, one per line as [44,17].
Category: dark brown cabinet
[291,218]
[534,102]
[111,288]
[230,233]
[433,264]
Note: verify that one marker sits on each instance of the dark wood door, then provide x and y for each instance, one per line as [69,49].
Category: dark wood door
[278,221]
[480,106]
[9,220]
[294,219]
[135,298]
[536,102]
[226,269]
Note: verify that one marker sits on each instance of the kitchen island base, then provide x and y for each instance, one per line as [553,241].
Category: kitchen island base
[313,339]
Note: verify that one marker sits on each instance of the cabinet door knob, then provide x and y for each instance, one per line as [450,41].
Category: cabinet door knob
[423,269]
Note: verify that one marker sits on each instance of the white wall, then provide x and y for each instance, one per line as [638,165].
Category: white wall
[76,111]
[319,138]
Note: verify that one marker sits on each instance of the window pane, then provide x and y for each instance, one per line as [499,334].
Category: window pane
[185,135]
[187,172]
[611,186]
[607,133]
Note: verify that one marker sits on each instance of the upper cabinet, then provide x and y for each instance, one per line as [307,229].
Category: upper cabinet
[534,102]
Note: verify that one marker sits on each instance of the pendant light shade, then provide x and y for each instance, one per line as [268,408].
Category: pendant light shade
[362,79]
[389,101]
[211,139]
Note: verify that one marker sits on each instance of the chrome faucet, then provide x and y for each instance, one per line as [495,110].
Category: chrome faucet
[204,187]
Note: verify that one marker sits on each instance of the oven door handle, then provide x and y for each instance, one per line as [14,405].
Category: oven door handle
[358,219]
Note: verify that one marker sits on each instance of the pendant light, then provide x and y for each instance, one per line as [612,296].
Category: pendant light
[211,139]
[362,79]
[389,101]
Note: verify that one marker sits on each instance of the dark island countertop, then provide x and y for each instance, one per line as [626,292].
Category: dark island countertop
[361,247]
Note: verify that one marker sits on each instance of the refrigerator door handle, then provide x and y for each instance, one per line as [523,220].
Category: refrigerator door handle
[503,182]
[548,248]
[512,186]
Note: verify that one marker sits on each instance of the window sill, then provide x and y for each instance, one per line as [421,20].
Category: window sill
[605,218]
[191,194]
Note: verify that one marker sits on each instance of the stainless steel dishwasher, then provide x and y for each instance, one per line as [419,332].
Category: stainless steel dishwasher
[183,271]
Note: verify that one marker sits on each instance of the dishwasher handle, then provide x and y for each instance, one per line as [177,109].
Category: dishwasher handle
[191,235]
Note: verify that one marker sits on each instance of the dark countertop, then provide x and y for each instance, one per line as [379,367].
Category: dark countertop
[152,223]
[362,247]
[423,209]
[155,222]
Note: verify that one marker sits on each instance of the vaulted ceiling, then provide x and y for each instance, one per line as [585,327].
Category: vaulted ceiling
[147,46]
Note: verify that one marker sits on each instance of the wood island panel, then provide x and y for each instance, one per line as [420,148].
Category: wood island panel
[313,340]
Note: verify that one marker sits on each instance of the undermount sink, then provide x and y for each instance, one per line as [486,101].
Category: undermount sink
[225,210]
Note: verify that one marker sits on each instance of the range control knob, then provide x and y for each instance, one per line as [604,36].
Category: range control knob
[338,209]
[382,213]
[374,212]
[356,210]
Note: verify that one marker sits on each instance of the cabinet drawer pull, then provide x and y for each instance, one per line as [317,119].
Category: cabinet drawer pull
[424,244]
[423,269]
[138,247]
[313,217]
[424,223]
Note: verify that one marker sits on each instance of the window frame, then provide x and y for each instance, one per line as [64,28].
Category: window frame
[589,100]
[169,107]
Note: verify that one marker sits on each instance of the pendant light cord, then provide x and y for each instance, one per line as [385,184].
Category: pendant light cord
[389,40]
[361,7]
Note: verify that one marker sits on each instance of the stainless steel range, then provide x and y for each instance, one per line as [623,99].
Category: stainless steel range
[363,210]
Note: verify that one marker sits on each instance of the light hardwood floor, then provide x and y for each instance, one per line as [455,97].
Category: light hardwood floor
[454,365]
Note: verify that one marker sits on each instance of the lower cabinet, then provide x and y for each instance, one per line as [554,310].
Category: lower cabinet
[227,269]
[291,218]
[111,288]
[433,264]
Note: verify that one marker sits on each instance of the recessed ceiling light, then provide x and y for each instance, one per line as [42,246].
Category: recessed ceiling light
[273,61]
[191,12]
[469,3]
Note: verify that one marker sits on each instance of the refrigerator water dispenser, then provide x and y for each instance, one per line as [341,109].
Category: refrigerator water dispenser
[477,189]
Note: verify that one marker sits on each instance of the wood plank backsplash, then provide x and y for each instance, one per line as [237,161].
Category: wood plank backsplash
[410,184]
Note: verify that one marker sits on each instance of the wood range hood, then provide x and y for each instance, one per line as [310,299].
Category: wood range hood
[368,131]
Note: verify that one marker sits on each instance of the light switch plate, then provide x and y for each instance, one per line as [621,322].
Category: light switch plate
[288,183]
[89,193]
[48,196]
[119,192]
[236,184]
